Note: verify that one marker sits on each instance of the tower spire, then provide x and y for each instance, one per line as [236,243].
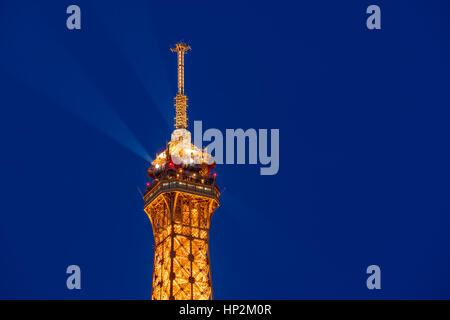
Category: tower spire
[180,99]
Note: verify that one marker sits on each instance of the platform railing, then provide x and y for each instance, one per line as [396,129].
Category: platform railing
[207,190]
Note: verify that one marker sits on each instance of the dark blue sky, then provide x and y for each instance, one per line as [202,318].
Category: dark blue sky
[364,144]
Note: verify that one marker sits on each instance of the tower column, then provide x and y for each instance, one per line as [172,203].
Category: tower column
[180,202]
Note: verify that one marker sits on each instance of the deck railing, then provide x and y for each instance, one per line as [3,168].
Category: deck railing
[163,186]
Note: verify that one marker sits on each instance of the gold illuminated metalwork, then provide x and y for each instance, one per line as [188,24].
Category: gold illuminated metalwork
[180,202]
[180,99]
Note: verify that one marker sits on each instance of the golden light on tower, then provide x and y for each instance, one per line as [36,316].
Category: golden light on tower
[180,202]
[180,98]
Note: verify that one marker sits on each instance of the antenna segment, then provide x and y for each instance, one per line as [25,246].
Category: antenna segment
[180,99]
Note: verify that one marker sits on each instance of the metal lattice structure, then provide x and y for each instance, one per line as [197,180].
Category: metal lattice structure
[180,202]
[180,99]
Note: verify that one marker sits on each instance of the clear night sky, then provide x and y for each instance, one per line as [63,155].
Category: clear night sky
[364,144]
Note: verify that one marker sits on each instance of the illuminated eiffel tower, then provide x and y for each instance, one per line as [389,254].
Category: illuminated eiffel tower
[180,202]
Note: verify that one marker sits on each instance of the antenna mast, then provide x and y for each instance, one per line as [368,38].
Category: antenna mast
[180,99]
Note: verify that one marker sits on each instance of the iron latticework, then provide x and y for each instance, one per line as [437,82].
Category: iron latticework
[180,202]
[180,98]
